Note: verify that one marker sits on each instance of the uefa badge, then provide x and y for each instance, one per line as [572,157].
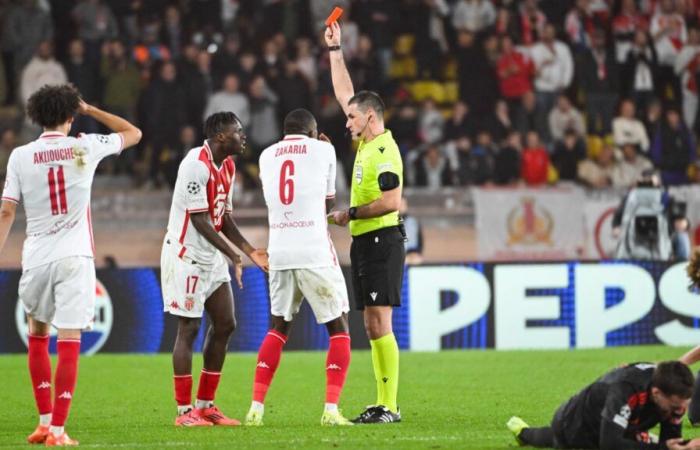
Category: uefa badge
[358,174]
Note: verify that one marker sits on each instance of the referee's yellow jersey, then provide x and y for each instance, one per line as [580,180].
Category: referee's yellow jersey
[379,155]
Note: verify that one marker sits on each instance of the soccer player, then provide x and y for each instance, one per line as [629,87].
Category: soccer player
[194,273]
[693,356]
[377,254]
[52,177]
[298,179]
[617,410]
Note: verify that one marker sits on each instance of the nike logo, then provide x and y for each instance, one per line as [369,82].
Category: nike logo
[374,296]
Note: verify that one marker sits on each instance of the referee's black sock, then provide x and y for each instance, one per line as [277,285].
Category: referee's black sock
[537,437]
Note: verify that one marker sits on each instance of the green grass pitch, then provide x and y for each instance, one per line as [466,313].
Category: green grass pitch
[452,399]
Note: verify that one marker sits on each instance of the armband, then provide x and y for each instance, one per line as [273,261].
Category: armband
[388,181]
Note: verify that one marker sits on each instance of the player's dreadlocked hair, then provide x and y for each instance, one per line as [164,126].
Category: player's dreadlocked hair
[693,269]
[53,105]
[217,122]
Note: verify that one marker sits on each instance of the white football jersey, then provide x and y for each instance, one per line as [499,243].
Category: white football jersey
[200,187]
[52,177]
[298,175]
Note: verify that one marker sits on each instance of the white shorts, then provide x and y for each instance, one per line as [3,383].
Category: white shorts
[187,285]
[61,292]
[324,288]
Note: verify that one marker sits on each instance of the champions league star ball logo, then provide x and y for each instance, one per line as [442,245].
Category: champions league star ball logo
[93,339]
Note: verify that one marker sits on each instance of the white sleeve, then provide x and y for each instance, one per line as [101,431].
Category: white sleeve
[12,191]
[193,177]
[330,187]
[99,146]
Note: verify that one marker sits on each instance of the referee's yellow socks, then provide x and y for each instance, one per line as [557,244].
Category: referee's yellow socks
[385,359]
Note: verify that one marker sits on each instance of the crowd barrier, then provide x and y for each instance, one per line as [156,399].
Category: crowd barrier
[457,306]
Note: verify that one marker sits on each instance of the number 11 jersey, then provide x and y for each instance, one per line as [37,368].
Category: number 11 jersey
[298,175]
[52,177]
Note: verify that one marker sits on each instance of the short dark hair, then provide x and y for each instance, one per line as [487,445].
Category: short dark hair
[368,99]
[217,122]
[673,378]
[299,121]
[53,105]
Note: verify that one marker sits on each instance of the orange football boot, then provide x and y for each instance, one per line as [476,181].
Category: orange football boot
[192,419]
[216,417]
[60,441]
[39,435]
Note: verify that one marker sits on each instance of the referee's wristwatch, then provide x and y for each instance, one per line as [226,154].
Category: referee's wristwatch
[352,213]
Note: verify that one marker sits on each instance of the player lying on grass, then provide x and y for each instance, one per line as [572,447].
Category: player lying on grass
[693,356]
[616,412]
[194,273]
[298,178]
[52,176]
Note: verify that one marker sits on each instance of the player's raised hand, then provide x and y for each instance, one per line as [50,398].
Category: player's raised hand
[324,138]
[261,259]
[332,34]
[83,108]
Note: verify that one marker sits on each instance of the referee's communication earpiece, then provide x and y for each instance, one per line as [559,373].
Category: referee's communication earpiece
[359,133]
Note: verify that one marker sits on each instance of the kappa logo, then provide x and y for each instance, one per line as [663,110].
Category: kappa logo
[374,296]
[44,385]
[67,395]
[333,367]
[174,305]
[263,365]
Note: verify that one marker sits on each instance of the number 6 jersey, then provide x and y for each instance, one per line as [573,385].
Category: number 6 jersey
[298,175]
[52,177]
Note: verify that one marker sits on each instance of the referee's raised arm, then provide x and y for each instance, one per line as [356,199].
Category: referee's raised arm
[342,84]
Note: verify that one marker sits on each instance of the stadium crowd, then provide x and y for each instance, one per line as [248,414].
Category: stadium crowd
[478,91]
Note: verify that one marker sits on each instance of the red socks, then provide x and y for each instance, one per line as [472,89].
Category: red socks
[183,389]
[66,375]
[337,363]
[268,359]
[208,382]
[40,372]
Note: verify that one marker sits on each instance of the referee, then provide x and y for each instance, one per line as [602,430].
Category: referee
[377,254]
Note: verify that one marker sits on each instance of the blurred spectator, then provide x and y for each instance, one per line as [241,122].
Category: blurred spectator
[579,24]
[42,69]
[307,62]
[430,122]
[194,74]
[163,114]
[414,235]
[652,117]
[173,33]
[627,129]
[515,71]
[460,124]
[473,15]
[229,99]
[226,60]
[597,172]
[433,169]
[96,23]
[507,160]
[569,151]
[475,165]
[86,78]
[377,18]
[624,27]
[673,149]
[404,125]
[531,23]
[530,117]
[630,168]
[249,68]
[173,157]
[640,71]
[363,66]
[554,68]
[430,42]
[25,27]
[498,123]
[564,117]
[150,50]
[264,127]
[4,89]
[535,161]
[121,80]
[478,85]
[271,62]
[293,90]
[8,141]
[687,67]
[599,79]
[669,32]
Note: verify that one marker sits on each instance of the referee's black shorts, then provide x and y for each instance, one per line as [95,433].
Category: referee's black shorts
[377,262]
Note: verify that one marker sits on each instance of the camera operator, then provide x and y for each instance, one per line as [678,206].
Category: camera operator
[651,225]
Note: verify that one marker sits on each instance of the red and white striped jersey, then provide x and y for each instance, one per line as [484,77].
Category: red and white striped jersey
[52,177]
[298,175]
[200,186]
